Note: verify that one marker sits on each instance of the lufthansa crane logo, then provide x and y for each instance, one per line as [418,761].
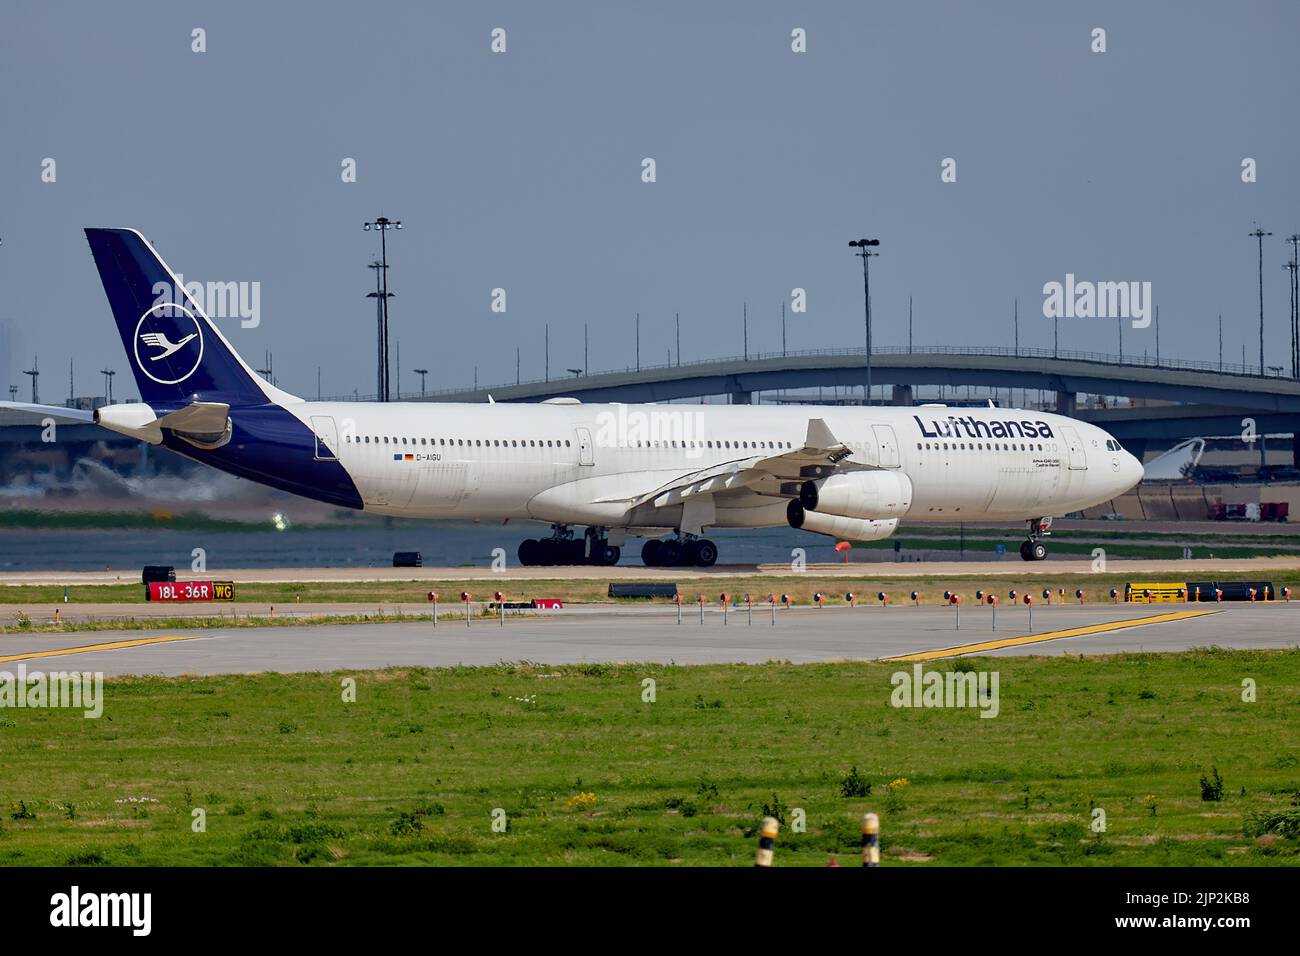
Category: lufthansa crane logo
[168,343]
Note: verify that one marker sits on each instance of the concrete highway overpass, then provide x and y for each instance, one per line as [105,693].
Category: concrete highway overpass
[1208,399]
[1067,374]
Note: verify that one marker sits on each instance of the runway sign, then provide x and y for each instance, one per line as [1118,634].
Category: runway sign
[190,591]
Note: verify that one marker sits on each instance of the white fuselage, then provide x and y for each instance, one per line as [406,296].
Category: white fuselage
[582,464]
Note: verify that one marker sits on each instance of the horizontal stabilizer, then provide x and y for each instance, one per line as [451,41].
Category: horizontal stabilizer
[48,411]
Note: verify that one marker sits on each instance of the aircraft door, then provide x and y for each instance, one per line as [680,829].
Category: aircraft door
[1074,448]
[886,445]
[327,437]
[586,455]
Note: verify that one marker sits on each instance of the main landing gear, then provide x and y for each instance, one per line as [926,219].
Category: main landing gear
[681,552]
[562,548]
[1034,549]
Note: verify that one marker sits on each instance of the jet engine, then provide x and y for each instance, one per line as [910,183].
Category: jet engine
[838,526]
[859,494]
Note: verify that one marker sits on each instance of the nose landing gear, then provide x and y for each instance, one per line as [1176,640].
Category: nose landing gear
[1033,548]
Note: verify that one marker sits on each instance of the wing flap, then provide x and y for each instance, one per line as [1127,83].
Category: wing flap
[820,447]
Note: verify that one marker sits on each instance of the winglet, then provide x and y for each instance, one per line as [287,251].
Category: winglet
[820,437]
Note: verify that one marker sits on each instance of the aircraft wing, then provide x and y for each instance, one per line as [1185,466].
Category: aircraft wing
[50,411]
[759,473]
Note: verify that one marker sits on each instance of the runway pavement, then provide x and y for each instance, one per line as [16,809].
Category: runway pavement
[652,634]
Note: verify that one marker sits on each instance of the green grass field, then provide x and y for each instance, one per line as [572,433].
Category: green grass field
[288,773]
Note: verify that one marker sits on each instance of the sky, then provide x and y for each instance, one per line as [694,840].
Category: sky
[523,170]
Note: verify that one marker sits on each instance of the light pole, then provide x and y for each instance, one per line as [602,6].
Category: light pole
[382,225]
[1259,235]
[909,324]
[35,373]
[1294,265]
[108,384]
[421,372]
[379,295]
[865,253]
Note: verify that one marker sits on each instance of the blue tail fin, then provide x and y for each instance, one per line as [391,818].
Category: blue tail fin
[176,353]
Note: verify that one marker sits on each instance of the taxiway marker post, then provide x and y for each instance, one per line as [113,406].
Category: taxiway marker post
[749,609]
[501,606]
[701,609]
[679,608]
[871,840]
[771,599]
[725,605]
[465,596]
[766,841]
[433,596]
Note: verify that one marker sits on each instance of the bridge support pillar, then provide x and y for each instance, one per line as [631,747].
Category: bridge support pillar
[902,395]
[1295,449]
[1067,403]
[742,398]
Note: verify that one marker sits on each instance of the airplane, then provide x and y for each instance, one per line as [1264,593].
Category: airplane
[667,473]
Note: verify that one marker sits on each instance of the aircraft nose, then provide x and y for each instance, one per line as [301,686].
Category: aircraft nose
[1131,469]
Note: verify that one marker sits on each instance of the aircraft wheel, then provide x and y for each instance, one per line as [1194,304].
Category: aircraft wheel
[1024,551]
[528,549]
[650,552]
[670,554]
[706,553]
[1038,551]
[606,555]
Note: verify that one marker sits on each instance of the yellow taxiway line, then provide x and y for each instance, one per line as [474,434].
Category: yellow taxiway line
[85,648]
[998,644]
